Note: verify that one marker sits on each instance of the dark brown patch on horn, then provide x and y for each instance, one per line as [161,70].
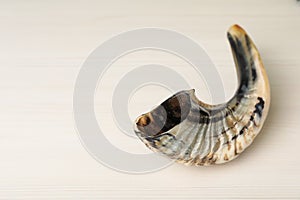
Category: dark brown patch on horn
[167,115]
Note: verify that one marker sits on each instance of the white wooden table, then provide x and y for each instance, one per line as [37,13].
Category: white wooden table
[42,47]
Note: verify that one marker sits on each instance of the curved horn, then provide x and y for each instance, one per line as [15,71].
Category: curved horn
[195,133]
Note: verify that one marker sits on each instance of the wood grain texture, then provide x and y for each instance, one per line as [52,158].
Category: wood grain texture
[42,47]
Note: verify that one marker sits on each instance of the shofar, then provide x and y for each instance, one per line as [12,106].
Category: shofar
[195,133]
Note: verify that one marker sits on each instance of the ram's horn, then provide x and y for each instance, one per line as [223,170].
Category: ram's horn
[195,133]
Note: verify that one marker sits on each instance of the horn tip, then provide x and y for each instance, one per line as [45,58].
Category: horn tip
[236,29]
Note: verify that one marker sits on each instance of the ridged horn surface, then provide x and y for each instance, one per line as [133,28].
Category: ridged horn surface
[195,133]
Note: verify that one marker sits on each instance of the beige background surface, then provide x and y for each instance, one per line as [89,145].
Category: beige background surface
[42,47]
